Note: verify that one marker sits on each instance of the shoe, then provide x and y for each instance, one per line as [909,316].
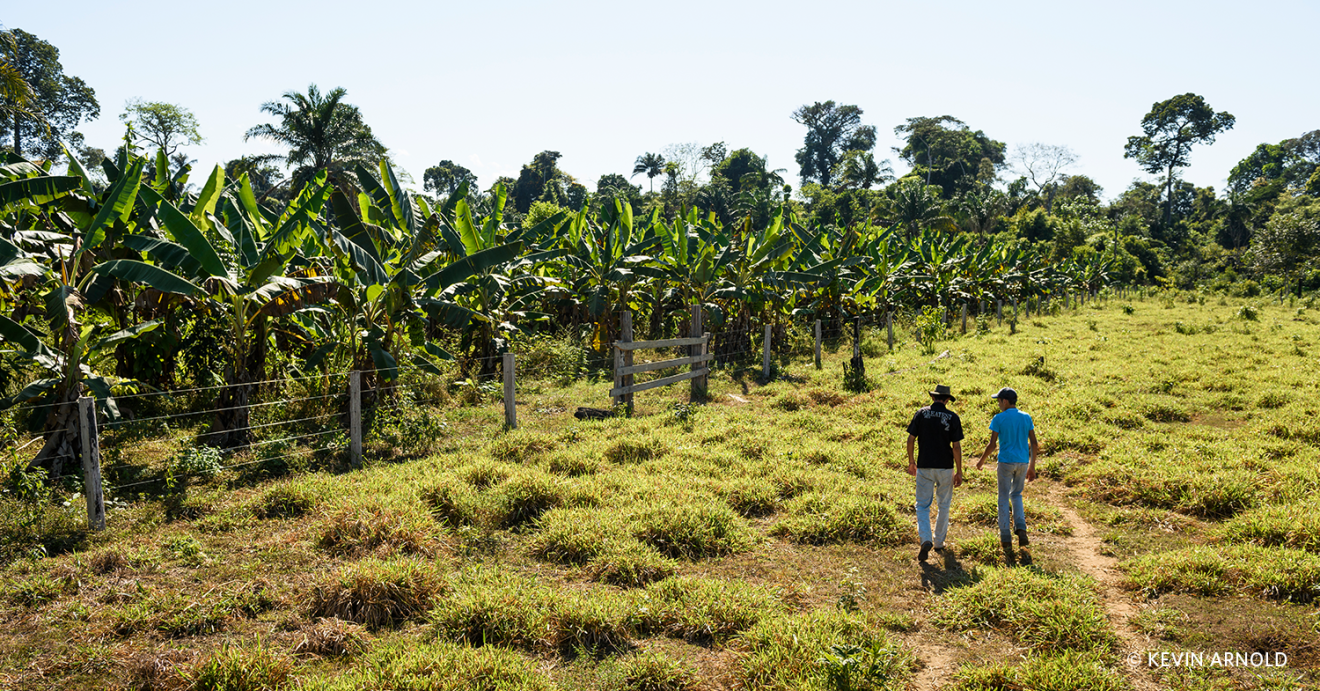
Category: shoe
[925,551]
[1022,538]
[1007,545]
[940,549]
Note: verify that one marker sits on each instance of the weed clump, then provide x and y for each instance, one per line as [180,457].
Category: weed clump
[286,500]
[525,496]
[629,564]
[442,666]
[373,528]
[378,593]
[1045,611]
[704,610]
[648,672]
[789,652]
[453,503]
[819,518]
[491,607]
[521,446]
[627,451]
[1278,525]
[1080,671]
[235,668]
[693,530]
[331,637]
[38,528]
[1272,572]
[573,536]
[983,509]
[751,497]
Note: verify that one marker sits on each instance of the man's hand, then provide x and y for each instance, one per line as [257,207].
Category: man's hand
[980,463]
[912,469]
[957,479]
[1031,472]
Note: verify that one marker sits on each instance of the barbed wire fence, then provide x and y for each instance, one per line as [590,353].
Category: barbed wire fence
[326,416]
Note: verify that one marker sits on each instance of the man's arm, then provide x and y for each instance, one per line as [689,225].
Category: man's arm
[957,463]
[989,449]
[912,461]
[1035,451]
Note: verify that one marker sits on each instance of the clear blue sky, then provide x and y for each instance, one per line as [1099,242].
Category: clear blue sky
[489,85]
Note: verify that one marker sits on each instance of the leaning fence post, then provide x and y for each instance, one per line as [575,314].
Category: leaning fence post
[625,326]
[964,318]
[91,462]
[355,418]
[698,389]
[818,364]
[765,354]
[889,326]
[857,338]
[999,311]
[510,407]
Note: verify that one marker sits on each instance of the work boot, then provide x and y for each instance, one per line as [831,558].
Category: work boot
[1022,538]
[925,551]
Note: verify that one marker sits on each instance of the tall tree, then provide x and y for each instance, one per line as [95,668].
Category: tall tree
[1169,131]
[162,125]
[948,153]
[540,180]
[322,133]
[61,101]
[446,177]
[650,164]
[1043,165]
[832,131]
[859,170]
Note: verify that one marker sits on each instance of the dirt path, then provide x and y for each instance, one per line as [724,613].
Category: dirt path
[938,665]
[1086,548]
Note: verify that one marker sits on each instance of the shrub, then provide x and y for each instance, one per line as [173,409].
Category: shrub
[378,593]
[1045,611]
[1076,671]
[234,668]
[371,527]
[199,461]
[1248,313]
[704,610]
[648,671]
[1272,572]
[693,529]
[441,666]
[788,652]
[826,517]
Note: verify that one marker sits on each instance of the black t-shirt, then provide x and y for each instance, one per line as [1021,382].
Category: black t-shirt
[936,428]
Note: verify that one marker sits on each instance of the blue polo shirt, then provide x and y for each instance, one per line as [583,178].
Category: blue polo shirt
[1013,427]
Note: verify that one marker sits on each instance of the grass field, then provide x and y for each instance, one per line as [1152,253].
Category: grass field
[765,540]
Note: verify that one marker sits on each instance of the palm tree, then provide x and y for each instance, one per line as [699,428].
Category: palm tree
[322,133]
[651,164]
[915,206]
[17,97]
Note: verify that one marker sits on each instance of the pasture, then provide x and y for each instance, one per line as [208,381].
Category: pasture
[765,540]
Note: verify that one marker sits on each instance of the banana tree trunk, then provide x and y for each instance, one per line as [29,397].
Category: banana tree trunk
[63,448]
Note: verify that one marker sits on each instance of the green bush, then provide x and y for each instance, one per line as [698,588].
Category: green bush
[1047,612]
[199,461]
[286,500]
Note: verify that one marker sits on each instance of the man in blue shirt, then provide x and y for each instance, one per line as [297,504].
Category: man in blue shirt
[1015,435]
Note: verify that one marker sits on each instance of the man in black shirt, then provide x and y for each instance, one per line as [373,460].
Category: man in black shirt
[937,466]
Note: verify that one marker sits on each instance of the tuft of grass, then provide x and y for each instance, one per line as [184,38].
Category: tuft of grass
[371,527]
[521,446]
[693,529]
[819,518]
[574,536]
[1270,572]
[331,637]
[751,497]
[704,610]
[167,670]
[236,668]
[574,464]
[378,593]
[815,650]
[484,473]
[38,589]
[172,615]
[632,450]
[494,607]
[648,671]
[1049,612]
[453,503]
[439,666]
[630,564]
[38,529]
[285,500]
[1277,525]
[1076,671]
[526,495]
[983,509]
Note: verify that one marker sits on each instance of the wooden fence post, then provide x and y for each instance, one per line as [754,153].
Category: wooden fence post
[1015,309]
[355,418]
[818,363]
[625,327]
[698,390]
[889,326]
[999,311]
[765,354]
[964,318]
[91,462]
[857,337]
[510,402]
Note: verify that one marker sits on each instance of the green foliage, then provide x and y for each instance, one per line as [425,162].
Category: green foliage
[787,652]
[648,671]
[378,593]
[1049,612]
[1082,671]
[828,517]
[1272,572]
[439,666]
[238,668]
